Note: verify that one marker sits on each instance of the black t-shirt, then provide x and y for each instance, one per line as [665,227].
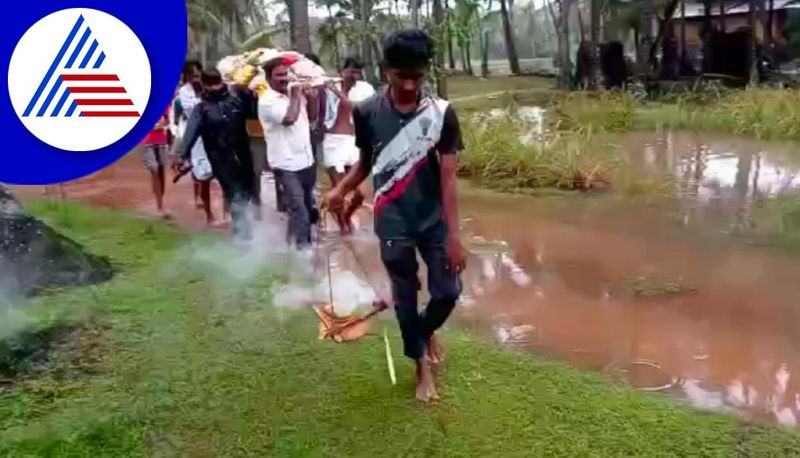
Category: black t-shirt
[404,150]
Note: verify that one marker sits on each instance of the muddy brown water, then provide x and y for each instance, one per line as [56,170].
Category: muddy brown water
[558,275]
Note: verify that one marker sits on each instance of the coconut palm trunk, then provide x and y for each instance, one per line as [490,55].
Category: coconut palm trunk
[302,39]
[511,49]
[596,75]
[441,75]
[751,23]
[648,16]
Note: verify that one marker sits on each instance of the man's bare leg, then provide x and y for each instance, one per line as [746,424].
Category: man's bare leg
[426,384]
[434,351]
[353,206]
[205,200]
[335,178]
[197,187]
[157,185]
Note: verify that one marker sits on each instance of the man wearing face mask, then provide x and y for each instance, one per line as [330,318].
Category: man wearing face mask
[219,119]
[408,140]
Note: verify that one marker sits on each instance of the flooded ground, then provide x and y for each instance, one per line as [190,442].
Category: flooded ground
[636,292]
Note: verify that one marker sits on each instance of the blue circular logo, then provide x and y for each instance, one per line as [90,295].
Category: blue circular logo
[86,82]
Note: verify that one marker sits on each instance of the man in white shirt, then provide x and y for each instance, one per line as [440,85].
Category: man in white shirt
[339,144]
[285,112]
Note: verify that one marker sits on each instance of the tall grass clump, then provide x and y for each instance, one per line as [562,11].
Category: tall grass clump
[496,157]
[589,113]
[764,114]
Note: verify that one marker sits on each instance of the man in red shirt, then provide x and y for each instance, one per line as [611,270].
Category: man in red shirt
[154,156]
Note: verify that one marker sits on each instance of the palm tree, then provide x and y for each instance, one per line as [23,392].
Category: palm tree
[465,21]
[559,13]
[648,16]
[238,25]
[449,13]
[595,80]
[300,27]
[751,23]
[511,49]
[414,5]
[441,76]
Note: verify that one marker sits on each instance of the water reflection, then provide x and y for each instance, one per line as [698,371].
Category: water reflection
[559,289]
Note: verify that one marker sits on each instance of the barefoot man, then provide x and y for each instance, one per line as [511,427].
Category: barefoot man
[339,149]
[409,139]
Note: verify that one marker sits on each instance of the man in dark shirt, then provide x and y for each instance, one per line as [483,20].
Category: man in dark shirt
[409,139]
[219,119]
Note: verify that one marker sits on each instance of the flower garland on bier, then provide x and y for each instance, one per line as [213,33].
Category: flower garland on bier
[246,69]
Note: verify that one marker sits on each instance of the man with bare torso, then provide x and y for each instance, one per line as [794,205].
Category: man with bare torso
[339,149]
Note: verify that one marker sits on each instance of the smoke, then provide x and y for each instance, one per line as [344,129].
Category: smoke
[231,265]
[12,319]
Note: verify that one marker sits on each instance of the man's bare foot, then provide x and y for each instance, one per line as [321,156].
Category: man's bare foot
[426,384]
[434,351]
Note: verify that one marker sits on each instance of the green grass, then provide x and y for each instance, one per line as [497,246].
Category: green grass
[466,86]
[764,114]
[647,287]
[581,159]
[185,368]
[473,95]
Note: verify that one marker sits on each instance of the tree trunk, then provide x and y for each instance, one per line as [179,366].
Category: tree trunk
[565,70]
[683,31]
[415,13]
[450,56]
[469,59]
[366,46]
[511,49]
[648,14]
[708,60]
[204,48]
[485,52]
[302,39]
[751,23]
[581,24]
[441,75]
[596,74]
[723,18]
[768,36]
[664,23]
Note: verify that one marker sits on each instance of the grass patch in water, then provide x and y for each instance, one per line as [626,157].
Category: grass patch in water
[762,113]
[496,157]
[588,112]
[773,223]
[646,287]
[191,373]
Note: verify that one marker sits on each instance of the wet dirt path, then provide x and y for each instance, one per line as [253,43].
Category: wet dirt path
[604,287]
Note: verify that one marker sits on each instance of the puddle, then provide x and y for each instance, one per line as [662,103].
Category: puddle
[552,274]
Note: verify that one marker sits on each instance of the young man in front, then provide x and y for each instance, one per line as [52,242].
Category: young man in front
[286,113]
[409,139]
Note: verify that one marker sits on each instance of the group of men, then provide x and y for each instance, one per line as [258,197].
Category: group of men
[402,135]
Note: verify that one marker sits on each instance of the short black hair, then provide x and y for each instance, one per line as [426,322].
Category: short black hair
[210,77]
[189,66]
[353,62]
[313,58]
[408,49]
[271,64]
